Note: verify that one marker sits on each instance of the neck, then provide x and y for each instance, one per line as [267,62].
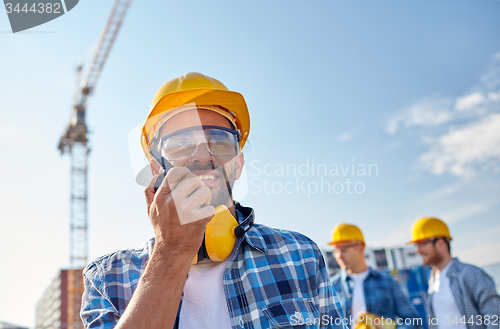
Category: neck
[359,268]
[233,212]
[443,262]
[232,209]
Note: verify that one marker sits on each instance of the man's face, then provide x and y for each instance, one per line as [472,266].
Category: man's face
[429,252]
[218,173]
[348,254]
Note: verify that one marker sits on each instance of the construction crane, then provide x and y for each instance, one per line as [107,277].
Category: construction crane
[74,140]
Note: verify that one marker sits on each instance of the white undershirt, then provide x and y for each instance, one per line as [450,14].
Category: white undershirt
[358,303]
[443,303]
[204,302]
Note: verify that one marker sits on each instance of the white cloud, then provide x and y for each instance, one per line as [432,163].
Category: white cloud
[344,137]
[494,96]
[457,151]
[471,125]
[445,191]
[470,102]
[431,111]
[466,211]
[491,79]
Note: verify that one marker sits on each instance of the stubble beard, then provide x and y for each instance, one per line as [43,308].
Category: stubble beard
[434,258]
[222,193]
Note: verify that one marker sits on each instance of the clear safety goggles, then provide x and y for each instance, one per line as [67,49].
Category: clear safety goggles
[339,250]
[433,240]
[183,144]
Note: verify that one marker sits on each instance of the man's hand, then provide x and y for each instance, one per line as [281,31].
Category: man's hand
[179,212]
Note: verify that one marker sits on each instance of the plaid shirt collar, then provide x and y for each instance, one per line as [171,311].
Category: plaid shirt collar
[253,237]
[454,267]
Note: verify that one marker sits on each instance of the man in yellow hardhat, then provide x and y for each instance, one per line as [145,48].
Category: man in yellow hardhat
[208,265]
[362,289]
[461,296]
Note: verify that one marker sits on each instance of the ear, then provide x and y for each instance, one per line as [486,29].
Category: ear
[240,162]
[361,249]
[441,246]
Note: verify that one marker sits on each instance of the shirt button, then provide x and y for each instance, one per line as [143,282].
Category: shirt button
[242,324]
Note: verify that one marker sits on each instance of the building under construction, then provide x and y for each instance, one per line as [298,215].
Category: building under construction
[60,304]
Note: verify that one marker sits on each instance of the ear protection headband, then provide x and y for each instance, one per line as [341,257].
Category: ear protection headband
[221,234]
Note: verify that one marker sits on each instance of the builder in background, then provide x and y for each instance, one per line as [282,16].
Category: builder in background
[460,295]
[362,289]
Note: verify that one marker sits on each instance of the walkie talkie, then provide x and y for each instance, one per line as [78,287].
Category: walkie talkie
[165,165]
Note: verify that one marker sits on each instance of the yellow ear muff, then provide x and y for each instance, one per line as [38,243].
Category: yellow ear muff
[219,236]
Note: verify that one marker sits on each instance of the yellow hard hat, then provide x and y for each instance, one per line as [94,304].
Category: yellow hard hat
[428,228]
[199,90]
[346,232]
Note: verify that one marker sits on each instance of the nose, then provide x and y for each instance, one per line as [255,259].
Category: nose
[202,154]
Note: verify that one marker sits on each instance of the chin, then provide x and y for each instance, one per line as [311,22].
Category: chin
[220,195]
[218,199]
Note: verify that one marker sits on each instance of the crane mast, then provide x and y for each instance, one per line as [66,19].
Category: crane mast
[75,141]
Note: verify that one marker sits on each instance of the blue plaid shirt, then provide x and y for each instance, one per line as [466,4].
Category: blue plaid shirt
[383,297]
[475,295]
[275,279]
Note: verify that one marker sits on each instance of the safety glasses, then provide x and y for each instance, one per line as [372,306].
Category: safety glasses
[183,144]
[424,242]
[339,250]
[433,240]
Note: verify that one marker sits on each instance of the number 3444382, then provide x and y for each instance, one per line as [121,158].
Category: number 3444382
[35,8]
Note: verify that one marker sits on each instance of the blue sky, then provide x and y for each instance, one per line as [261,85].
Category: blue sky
[411,87]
